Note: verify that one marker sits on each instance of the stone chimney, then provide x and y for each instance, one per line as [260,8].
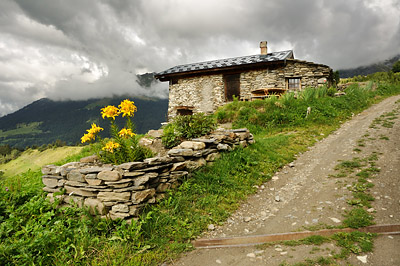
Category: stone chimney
[263,46]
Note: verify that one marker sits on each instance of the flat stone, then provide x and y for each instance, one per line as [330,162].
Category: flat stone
[95,206]
[193,145]
[132,174]
[75,184]
[155,133]
[335,220]
[78,191]
[51,190]
[211,227]
[157,167]
[132,165]
[206,141]
[178,174]
[49,169]
[158,160]
[162,187]
[96,189]
[145,141]
[223,147]
[52,176]
[94,182]
[122,181]
[134,210]
[74,200]
[114,196]
[120,208]
[90,159]
[180,152]
[239,130]
[50,182]
[363,259]
[108,175]
[118,215]
[178,166]
[212,157]
[76,175]
[144,179]
[94,170]
[140,196]
[132,188]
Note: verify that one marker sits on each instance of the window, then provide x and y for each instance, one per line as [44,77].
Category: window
[232,86]
[184,110]
[294,84]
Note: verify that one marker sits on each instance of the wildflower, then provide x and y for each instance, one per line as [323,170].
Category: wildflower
[111,146]
[87,137]
[110,112]
[94,129]
[7,189]
[125,133]
[127,108]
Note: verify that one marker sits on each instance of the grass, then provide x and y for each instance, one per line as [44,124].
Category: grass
[22,129]
[34,159]
[33,231]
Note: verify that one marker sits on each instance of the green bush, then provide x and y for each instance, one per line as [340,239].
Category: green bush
[187,127]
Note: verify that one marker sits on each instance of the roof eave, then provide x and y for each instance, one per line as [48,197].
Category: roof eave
[167,77]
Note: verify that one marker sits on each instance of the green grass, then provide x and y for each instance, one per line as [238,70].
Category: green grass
[33,231]
[34,159]
[22,129]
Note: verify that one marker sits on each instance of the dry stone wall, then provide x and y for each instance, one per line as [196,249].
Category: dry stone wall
[121,191]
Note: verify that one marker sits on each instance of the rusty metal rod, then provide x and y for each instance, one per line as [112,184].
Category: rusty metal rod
[261,239]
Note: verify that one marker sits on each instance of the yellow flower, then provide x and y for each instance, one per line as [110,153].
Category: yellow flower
[94,129]
[110,146]
[125,133]
[87,137]
[127,108]
[110,112]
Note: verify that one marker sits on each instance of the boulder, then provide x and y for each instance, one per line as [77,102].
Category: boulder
[155,133]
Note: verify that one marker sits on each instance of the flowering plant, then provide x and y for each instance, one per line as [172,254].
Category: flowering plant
[123,145]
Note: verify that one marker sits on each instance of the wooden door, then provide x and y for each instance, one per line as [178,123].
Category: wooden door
[232,86]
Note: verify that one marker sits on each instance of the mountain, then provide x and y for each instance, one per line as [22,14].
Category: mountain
[45,121]
[373,68]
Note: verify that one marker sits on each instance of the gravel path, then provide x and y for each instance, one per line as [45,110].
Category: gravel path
[303,195]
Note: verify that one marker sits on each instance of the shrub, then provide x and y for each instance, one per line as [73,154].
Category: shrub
[187,127]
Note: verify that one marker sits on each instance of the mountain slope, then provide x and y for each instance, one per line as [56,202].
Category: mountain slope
[373,68]
[45,121]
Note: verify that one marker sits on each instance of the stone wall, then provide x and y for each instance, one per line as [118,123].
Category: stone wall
[121,191]
[203,93]
[206,93]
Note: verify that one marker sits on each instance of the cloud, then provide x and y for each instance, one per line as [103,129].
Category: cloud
[79,49]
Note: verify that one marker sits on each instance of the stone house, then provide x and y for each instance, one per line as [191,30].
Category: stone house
[203,87]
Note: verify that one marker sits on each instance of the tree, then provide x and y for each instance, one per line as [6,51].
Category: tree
[396,67]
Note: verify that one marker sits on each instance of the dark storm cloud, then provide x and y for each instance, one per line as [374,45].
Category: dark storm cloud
[90,48]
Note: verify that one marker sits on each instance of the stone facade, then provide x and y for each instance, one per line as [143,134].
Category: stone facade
[121,191]
[205,93]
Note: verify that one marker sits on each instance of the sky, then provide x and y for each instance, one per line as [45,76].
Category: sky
[80,49]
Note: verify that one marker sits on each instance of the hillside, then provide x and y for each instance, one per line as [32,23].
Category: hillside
[45,121]
[369,69]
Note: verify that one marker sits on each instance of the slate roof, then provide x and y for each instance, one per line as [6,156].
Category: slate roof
[229,62]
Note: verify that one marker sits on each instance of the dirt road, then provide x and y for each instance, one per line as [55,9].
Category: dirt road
[304,195]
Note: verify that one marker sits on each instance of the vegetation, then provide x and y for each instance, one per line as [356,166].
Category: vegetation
[396,67]
[34,231]
[124,145]
[187,127]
